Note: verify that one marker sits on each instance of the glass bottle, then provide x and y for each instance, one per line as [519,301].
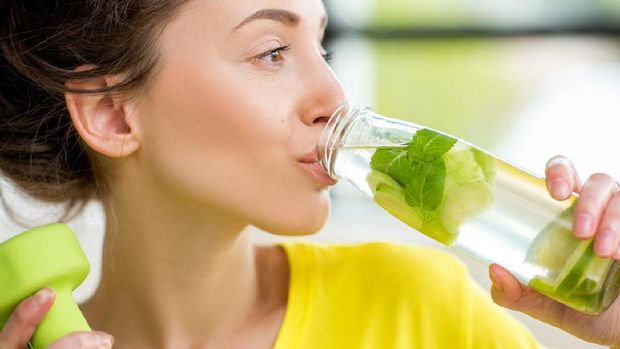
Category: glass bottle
[470,200]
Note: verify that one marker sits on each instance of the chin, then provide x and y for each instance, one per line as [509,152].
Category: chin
[296,227]
[298,222]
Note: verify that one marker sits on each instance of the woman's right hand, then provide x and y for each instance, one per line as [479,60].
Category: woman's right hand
[24,320]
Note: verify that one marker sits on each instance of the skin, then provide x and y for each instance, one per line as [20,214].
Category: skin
[211,147]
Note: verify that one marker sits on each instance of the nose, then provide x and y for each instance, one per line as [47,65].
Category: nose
[324,94]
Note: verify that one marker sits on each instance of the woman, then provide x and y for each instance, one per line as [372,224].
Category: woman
[191,120]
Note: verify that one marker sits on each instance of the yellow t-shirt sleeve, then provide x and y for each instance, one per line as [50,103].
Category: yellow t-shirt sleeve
[382,295]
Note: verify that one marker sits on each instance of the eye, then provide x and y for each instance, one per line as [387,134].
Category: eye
[273,57]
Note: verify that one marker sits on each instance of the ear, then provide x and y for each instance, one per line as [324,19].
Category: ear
[104,121]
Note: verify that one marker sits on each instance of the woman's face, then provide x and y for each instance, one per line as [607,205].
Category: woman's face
[241,96]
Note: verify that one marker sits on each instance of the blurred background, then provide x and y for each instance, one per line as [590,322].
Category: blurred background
[524,79]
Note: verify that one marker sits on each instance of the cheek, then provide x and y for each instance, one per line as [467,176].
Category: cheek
[220,146]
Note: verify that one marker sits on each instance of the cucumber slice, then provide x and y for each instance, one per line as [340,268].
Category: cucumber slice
[570,276]
[570,268]
[467,193]
[393,201]
[464,203]
[375,178]
[577,278]
[391,196]
[461,167]
[487,163]
[436,231]
[593,278]
[588,287]
[541,285]
[553,244]
[584,303]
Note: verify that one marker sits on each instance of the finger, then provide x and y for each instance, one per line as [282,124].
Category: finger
[608,234]
[24,319]
[561,178]
[593,199]
[508,292]
[84,340]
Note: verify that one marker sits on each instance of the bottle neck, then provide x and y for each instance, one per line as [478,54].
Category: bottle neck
[355,126]
[334,135]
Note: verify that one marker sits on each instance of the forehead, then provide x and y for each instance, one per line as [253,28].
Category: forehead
[206,27]
[229,14]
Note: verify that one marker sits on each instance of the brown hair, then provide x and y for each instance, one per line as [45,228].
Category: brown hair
[41,45]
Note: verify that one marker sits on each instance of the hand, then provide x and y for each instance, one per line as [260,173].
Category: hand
[597,215]
[21,325]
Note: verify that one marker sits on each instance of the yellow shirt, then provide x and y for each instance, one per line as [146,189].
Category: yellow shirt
[382,295]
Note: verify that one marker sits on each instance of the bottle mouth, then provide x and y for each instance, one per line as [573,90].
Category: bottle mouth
[333,136]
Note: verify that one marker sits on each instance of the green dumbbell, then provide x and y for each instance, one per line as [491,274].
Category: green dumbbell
[47,256]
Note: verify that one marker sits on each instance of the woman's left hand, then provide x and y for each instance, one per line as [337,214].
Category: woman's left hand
[597,215]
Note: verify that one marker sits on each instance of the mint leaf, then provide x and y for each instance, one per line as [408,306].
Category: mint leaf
[425,189]
[427,146]
[419,168]
[393,161]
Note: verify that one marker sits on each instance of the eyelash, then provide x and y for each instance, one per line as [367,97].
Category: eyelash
[267,54]
[327,56]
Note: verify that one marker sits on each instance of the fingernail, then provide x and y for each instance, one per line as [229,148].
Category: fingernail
[583,225]
[605,243]
[495,280]
[104,339]
[42,296]
[560,188]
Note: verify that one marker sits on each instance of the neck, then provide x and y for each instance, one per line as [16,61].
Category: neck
[172,277]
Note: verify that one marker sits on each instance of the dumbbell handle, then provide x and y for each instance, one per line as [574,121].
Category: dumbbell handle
[63,318]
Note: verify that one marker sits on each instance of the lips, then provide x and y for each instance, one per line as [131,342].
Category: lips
[310,156]
[310,163]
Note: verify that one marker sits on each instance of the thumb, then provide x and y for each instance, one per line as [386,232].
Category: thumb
[508,292]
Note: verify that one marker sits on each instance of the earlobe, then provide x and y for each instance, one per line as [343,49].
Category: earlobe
[103,121]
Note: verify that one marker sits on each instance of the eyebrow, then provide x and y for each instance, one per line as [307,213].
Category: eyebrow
[283,16]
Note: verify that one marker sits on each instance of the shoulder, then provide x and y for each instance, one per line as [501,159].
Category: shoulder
[422,296]
[386,268]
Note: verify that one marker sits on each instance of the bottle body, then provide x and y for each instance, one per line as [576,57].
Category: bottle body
[466,198]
